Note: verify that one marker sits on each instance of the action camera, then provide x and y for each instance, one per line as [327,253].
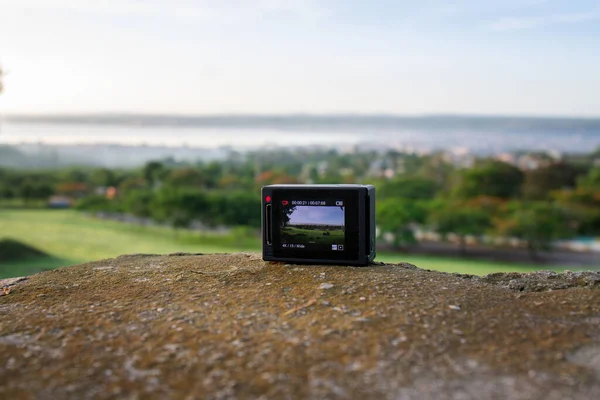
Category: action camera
[319,224]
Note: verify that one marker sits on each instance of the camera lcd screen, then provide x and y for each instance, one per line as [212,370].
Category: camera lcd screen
[313,225]
[321,225]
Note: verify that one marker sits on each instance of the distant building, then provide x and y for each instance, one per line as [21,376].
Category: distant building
[506,157]
[60,202]
[73,189]
[109,192]
[530,161]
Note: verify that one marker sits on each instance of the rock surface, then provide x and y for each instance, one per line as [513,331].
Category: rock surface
[234,326]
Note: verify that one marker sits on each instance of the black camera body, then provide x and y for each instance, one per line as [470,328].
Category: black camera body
[319,224]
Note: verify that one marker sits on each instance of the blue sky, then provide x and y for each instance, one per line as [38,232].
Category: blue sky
[531,57]
[317,215]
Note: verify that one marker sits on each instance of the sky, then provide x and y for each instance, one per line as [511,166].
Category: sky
[317,215]
[509,57]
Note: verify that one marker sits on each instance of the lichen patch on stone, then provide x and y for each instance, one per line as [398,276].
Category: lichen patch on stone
[234,326]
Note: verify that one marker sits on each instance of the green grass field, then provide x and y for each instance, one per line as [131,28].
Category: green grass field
[70,237]
[292,234]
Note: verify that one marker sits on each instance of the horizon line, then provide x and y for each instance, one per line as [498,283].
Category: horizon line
[8,116]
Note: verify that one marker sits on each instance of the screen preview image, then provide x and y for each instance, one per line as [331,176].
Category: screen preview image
[316,225]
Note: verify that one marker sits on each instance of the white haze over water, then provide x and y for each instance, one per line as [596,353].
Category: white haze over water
[71,134]
[476,134]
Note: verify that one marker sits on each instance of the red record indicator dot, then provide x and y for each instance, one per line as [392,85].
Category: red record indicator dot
[284,202]
[268,199]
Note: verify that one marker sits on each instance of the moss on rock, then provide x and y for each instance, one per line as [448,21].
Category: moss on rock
[234,326]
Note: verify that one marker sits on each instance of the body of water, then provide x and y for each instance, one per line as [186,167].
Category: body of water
[476,134]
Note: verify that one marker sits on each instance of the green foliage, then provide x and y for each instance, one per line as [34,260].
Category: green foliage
[7,189]
[99,203]
[591,181]
[490,178]
[186,177]
[6,192]
[286,213]
[408,187]
[436,169]
[138,202]
[291,234]
[70,175]
[584,205]
[538,224]
[461,220]
[212,172]
[233,208]
[73,238]
[104,177]
[400,217]
[154,172]
[539,183]
[179,207]
[226,193]
[31,189]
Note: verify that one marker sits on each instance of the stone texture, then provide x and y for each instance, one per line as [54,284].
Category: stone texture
[234,326]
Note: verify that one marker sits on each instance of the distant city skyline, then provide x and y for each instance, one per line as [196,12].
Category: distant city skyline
[515,57]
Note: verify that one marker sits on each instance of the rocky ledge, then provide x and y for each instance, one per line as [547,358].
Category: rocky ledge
[234,326]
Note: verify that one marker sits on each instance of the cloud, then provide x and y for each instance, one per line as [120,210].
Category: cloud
[519,23]
[317,215]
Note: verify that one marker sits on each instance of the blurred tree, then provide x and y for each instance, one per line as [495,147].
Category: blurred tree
[179,207]
[436,169]
[98,203]
[400,218]
[538,224]
[186,177]
[43,190]
[6,189]
[583,202]
[412,164]
[6,192]
[487,203]
[131,183]
[330,177]
[584,206]
[413,188]
[103,177]
[461,220]
[138,202]
[31,189]
[233,209]
[540,182]
[313,174]
[26,190]
[286,213]
[590,181]
[154,172]
[212,174]
[490,178]
[230,181]
[274,177]
[73,175]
